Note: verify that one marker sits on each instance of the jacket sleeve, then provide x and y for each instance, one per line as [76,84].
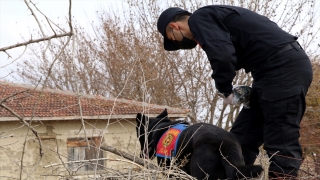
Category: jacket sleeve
[214,38]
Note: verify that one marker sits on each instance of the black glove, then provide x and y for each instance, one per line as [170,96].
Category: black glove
[241,94]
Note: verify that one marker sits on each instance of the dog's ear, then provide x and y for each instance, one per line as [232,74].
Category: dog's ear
[163,114]
[140,119]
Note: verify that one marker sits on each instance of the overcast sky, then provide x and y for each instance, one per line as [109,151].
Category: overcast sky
[16,21]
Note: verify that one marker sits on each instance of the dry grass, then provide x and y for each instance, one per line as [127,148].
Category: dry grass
[309,170]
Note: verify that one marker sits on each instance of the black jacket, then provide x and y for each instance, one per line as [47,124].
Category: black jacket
[235,38]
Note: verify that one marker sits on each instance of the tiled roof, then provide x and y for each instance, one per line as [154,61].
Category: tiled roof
[54,104]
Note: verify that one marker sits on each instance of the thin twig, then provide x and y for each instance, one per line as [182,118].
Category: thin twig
[12,95]
[36,41]
[25,49]
[48,20]
[61,158]
[229,161]
[7,136]
[93,160]
[35,17]
[25,123]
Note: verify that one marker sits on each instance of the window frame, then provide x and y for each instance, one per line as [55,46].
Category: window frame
[78,150]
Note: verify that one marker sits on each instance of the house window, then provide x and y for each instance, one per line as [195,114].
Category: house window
[78,151]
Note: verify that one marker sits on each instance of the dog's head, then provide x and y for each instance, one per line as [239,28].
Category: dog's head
[145,128]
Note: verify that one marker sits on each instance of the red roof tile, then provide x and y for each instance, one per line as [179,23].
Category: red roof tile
[28,101]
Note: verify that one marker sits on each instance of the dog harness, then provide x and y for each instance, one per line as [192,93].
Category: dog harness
[167,145]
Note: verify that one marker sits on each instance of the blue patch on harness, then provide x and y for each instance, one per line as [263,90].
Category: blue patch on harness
[167,145]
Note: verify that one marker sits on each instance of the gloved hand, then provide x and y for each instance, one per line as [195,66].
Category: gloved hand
[231,100]
[240,94]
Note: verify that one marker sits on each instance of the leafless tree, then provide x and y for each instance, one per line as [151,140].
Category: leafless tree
[130,39]
[124,57]
[43,39]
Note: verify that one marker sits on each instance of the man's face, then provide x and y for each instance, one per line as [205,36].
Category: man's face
[179,33]
[174,34]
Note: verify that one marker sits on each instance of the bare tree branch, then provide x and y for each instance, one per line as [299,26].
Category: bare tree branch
[36,41]
[31,41]
[132,158]
[25,123]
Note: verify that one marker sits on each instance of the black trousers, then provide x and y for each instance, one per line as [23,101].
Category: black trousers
[277,105]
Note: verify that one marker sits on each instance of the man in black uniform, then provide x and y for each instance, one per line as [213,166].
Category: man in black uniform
[235,38]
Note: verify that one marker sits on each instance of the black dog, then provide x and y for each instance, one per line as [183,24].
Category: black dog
[211,152]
